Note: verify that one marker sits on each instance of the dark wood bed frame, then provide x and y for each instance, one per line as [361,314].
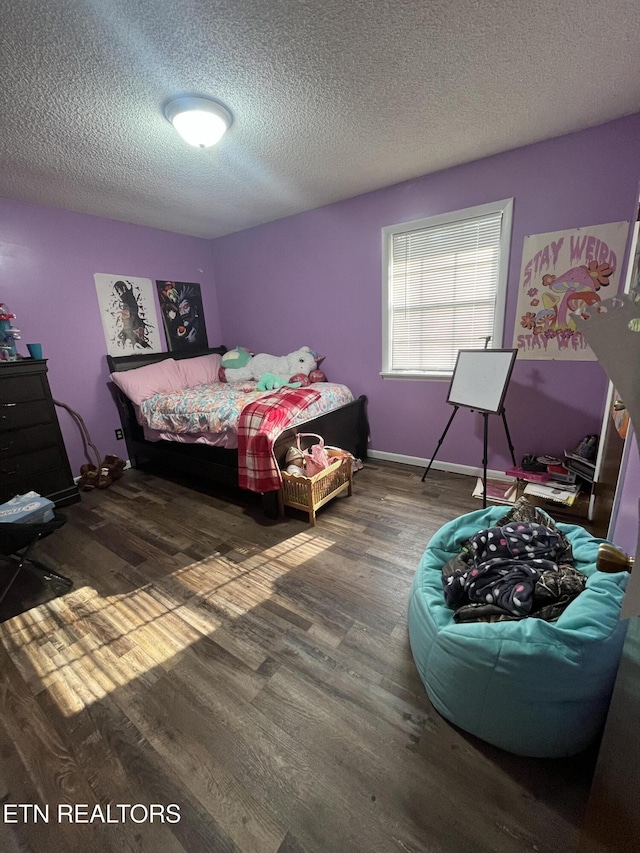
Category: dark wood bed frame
[346,427]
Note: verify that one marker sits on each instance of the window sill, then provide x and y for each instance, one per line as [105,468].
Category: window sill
[443,377]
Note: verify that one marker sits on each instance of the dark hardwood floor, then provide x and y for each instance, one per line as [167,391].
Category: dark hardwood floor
[258,675]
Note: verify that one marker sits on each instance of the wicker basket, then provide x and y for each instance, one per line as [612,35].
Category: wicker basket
[310,493]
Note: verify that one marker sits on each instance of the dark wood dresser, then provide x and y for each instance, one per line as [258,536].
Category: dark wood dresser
[32,453]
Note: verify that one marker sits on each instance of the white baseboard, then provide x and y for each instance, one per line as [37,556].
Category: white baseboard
[421,462]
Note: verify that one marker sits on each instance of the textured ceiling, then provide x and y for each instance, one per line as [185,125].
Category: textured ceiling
[330,99]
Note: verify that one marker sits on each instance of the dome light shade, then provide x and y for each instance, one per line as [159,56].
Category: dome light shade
[200,121]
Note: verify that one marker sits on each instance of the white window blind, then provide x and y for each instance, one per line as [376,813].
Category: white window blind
[442,289]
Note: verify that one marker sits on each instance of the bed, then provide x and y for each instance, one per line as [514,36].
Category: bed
[216,457]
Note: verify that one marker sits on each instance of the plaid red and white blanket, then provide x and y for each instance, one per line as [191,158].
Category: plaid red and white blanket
[261,422]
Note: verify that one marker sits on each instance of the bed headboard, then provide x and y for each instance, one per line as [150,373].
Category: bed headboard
[128,362]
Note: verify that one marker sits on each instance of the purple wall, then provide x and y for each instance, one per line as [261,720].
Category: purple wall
[315,279]
[47,261]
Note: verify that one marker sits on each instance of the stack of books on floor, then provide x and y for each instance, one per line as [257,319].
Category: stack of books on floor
[548,478]
[557,483]
[560,493]
[570,479]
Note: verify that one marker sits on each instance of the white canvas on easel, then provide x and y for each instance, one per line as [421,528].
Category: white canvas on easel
[480,379]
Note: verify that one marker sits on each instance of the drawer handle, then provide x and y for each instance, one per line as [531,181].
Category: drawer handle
[9,473]
[2,449]
[8,405]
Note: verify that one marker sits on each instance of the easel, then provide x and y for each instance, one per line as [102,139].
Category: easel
[496,408]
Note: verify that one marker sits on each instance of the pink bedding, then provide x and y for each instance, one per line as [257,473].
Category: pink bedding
[218,413]
[209,414]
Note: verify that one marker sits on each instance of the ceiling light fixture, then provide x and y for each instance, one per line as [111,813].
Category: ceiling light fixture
[200,121]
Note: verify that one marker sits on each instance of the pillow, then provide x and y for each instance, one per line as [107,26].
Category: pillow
[201,370]
[143,382]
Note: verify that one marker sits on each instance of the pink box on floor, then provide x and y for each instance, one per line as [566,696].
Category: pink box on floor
[531,476]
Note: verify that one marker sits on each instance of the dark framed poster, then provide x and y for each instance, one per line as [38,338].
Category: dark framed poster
[182,315]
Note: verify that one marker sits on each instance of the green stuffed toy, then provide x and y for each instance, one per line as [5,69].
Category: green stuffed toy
[235,358]
[270,382]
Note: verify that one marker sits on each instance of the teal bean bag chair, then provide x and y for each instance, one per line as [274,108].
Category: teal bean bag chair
[531,687]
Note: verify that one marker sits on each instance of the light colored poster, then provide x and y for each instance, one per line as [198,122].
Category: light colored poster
[565,272]
[128,313]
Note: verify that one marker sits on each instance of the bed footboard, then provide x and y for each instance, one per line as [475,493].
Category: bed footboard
[346,427]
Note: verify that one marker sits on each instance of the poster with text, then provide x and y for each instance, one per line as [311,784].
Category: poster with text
[128,312]
[563,273]
[182,315]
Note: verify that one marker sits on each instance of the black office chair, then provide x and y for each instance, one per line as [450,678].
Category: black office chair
[16,544]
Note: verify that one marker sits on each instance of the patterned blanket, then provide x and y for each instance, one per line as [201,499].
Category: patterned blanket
[260,424]
[513,570]
[216,408]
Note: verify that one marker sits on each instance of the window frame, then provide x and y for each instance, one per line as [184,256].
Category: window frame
[504,206]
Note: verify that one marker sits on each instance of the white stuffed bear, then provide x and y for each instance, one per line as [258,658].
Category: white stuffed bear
[282,366]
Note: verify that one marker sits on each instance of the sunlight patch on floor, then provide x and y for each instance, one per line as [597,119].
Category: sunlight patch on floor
[82,646]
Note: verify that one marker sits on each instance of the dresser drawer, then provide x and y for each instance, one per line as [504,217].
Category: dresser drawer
[26,440]
[18,415]
[32,451]
[21,389]
[46,483]
[22,465]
